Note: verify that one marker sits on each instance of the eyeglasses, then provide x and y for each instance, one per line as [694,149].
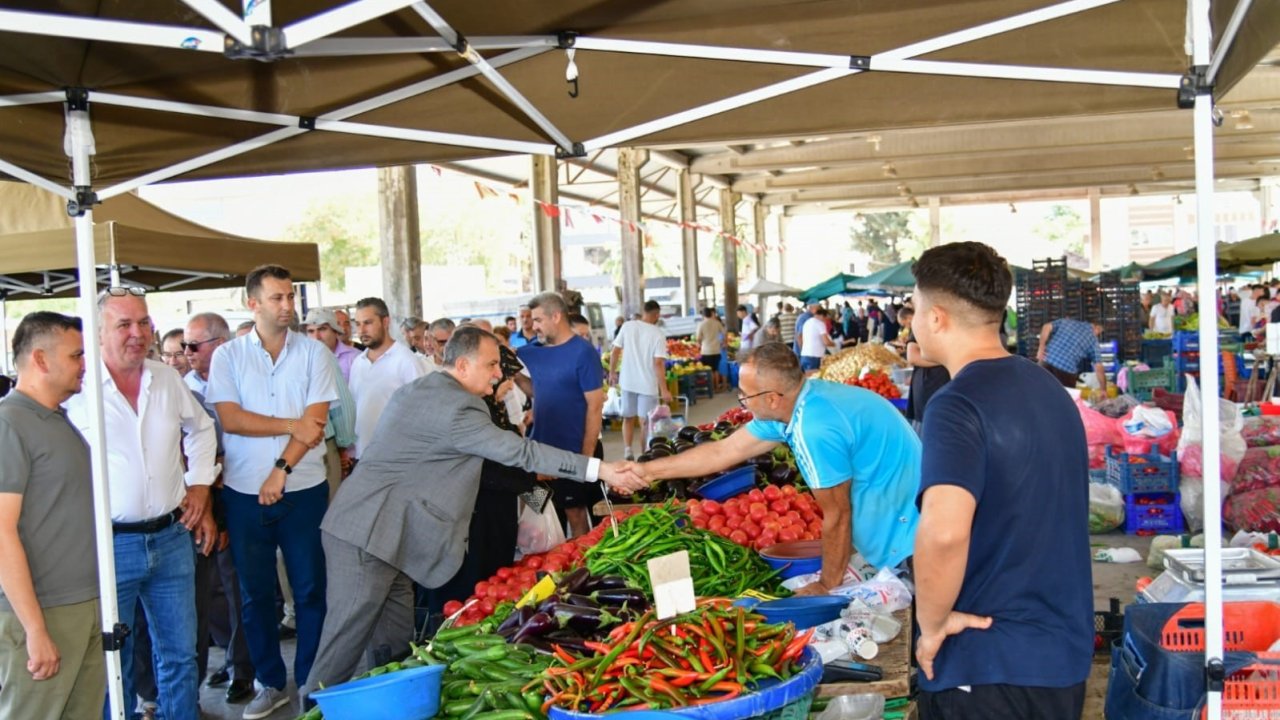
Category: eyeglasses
[170,355]
[195,346]
[742,399]
[123,291]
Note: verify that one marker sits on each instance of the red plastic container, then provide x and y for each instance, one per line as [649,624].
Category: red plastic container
[1254,690]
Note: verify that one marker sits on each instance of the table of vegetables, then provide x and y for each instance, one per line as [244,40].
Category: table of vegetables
[574,630]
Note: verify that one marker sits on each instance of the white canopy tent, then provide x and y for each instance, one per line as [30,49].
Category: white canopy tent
[252,34]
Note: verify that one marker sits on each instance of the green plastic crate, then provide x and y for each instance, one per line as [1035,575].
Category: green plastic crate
[1142,383]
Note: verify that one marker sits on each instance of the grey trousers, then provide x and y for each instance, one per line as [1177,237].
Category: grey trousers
[370,615]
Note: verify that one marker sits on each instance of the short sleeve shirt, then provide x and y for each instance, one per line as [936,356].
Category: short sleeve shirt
[562,375]
[845,434]
[242,372]
[1070,343]
[709,333]
[46,461]
[1004,431]
[641,343]
[373,383]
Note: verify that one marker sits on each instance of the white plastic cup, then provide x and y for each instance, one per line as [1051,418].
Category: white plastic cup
[860,642]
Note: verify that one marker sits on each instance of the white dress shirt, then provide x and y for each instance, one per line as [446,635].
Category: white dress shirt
[426,364]
[374,382]
[243,372]
[145,448]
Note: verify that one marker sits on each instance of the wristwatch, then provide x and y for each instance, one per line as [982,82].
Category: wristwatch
[285,466]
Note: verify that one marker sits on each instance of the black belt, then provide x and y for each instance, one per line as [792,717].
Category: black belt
[148,526]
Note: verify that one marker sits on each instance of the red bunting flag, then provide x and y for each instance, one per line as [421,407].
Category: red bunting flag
[568,219]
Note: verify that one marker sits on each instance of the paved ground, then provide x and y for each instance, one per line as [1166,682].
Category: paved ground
[1108,581]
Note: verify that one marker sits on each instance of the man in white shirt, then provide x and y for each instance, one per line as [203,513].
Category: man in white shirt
[1162,315]
[814,340]
[1249,313]
[152,421]
[380,370]
[644,371]
[272,389]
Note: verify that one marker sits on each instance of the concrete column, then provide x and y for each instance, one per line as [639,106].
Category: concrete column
[729,224]
[400,243]
[546,230]
[935,221]
[689,237]
[783,222]
[1095,229]
[757,226]
[630,160]
[1268,205]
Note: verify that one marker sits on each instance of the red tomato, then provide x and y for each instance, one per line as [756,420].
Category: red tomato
[700,522]
[768,538]
[771,525]
[773,492]
[533,562]
[750,528]
[793,516]
[806,535]
[739,537]
[504,573]
[482,588]
[756,495]
[486,607]
[788,535]
[733,523]
[725,531]
[711,507]
[758,513]
[779,506]
[452,607]
[789,491]
[715,522]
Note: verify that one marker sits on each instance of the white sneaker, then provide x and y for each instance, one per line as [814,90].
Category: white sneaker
[264,703]
[628,455]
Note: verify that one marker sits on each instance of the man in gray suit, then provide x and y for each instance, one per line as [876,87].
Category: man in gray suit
[403,514]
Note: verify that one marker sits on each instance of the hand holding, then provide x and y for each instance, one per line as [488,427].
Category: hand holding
[309,431]
[622,477]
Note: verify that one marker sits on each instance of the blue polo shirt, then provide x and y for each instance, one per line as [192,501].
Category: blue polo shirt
[1004,431]
[845,434]
[562,375]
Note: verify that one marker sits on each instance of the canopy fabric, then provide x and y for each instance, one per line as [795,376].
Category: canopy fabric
[151,248]
[896,277]
[616,90]
[769,287]
[1262,250]
[837,284]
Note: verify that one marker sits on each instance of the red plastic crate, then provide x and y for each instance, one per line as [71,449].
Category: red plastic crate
[1253,692]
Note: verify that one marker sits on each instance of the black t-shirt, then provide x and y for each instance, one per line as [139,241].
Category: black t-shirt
[925,381]
[1004,431]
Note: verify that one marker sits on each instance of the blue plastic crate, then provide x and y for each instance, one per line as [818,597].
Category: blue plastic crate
[1158,474]
[1186,362]
[1186,341]
[1162,517]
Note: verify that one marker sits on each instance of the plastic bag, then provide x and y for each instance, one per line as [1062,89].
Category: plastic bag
[613,402]
[1261,431]
[1148,429]
[1191,498]
[1098,428]
[1116,407]
[1106,508]
[885,592]
[1191,461]
[867,706]
[1255,510]
[1231,442]
[539,531]
[1160,543]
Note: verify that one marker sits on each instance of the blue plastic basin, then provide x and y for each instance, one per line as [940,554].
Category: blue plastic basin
[734,482]
[412,694]
[805,612]
[799,558]
[770,696]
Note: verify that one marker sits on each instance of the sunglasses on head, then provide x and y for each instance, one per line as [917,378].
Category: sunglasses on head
[123,291]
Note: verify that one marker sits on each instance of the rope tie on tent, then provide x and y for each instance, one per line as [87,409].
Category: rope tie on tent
[571,73]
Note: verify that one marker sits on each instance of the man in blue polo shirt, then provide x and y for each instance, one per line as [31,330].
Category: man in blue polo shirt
[1065,346]
[854,450]
[1004,589]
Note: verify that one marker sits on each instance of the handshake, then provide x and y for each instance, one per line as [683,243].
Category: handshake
[624,476]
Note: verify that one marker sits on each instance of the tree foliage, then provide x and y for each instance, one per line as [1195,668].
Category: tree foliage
[885,237]
[346,237]
[1064,227]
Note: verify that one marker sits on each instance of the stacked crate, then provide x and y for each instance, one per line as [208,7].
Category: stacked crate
[1047,293]
[1149,483]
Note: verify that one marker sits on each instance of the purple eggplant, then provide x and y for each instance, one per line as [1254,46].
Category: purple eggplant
[581,601]
[540,624]
[573,582]
[569,640]
[631,597]
[604,582]
[584,620]
[518,617]
[539,645]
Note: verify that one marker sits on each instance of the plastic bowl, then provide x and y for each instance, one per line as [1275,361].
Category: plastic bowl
[900,403]
[412,694]
[794,558]
[805,612]
[734,482]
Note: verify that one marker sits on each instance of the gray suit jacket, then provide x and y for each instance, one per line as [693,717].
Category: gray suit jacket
[410,499]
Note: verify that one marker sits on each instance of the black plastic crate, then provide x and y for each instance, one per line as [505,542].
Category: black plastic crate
[1108,626]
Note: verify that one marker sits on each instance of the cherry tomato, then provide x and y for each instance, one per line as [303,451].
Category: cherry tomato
[773,492]
[452,607]
[739,537]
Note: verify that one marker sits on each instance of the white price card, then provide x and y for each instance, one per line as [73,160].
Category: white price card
[672,584]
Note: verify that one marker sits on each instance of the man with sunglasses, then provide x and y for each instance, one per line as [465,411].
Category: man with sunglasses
[853,448]
[152,423]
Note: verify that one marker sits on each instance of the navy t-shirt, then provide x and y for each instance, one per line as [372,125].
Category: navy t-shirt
[1005,431]
[561,375]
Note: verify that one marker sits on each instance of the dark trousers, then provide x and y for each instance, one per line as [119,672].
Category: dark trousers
[1068,379]
[293,525]
[1003,702]
[218,614]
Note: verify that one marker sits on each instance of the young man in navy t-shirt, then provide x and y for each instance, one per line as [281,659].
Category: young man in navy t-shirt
[1004,587]
[567,388]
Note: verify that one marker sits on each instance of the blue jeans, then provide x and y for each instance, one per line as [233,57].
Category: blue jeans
[810,363]
[159,570]
[293,525]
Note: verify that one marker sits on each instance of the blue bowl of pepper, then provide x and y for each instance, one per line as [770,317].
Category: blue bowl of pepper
[412,694]
[727,485]
[769,696]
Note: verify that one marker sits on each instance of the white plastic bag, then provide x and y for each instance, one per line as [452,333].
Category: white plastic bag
[1149,421]
[539,531]
[1106,508]
[612,402]
[1231,441]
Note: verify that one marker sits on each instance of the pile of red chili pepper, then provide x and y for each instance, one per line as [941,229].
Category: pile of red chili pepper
[709,655]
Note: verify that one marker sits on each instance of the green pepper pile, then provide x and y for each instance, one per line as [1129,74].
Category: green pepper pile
[720,567]
[487,679]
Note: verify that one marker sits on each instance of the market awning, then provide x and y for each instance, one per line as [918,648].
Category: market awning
[149,247]
[1244,255]
[837,284]
[895,278]
[769,287]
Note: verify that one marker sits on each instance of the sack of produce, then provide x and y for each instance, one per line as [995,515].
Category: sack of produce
[1253,502]
[1106,508]
[1148,429]
[1261,431]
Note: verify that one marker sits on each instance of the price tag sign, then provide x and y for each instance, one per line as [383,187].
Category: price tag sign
[672,584]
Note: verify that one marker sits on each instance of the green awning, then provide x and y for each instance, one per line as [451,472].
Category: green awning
[837,284]
[898,277]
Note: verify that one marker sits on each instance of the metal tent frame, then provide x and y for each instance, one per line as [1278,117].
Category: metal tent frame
[253,36]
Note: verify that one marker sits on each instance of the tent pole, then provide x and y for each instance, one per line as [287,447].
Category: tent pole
[4,333]
[80,133]
[1206,275]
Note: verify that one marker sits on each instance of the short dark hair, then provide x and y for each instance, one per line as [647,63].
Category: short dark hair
[970,272]
[579,319]
[743,308]
[509,318]
[37,327]
[651,306]
[253,281]
[377,304]
[776,360]
[465,342]
[708,312]
[174,333]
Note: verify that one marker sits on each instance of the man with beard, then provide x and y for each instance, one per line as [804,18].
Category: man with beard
[380,370]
